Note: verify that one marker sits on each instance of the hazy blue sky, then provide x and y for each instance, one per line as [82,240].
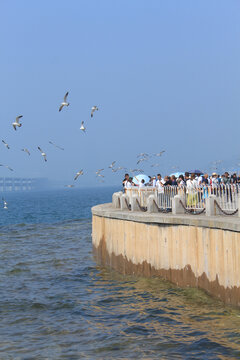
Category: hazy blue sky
[165,75]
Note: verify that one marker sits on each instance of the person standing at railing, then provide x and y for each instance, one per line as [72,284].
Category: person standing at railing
[160,190]
[142,184]
[154,181]
[173,180]
[215,183]
[192,191]
[126,183]
[205,194]
[199,179]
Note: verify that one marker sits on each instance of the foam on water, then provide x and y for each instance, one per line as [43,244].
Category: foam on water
[56,303]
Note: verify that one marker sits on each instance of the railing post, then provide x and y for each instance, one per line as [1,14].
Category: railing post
[177,207]
[134,204]
[238,204]
[211,209]
[116,200]
[151,204]
[124,200]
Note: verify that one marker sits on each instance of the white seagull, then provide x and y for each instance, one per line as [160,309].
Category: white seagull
[7,146]
[94,108]
[42,153]
[143,155]
[6,166]
[69,186]
[112,165]
[4,203]
[160,154]
[98,171]
[64,103]
[83,127]
[59,147]
[16,122]
[79,173]
[142,159]
[26,151]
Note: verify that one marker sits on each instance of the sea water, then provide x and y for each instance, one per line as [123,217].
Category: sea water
[57,303]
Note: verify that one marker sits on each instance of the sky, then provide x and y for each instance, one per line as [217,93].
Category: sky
[164,74]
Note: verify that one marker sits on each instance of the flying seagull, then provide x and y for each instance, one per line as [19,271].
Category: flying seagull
[142,155]
[79,173]
[6,166]
[94,108]
[98,171]
[136,170]
[83,127]
[26,151]
[42,153]
[59,147]
[7,146]
[100,175]
[160,154]
[140,160]
[112,165]
[16,122]
[69,186]
[64,103]
[4,203]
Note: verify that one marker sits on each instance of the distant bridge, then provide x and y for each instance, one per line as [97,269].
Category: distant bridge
[21,184]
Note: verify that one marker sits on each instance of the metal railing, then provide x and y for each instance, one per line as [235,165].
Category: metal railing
[226,196]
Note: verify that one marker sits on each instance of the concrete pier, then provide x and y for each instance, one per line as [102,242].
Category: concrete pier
[197,251]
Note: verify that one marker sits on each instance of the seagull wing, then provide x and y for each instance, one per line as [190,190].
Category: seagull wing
[18,117]
[40,149]
[61,106]
[14,126]
[65,97]
[77,175]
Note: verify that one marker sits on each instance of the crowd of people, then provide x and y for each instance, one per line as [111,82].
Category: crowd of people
[188,180]
[196,186]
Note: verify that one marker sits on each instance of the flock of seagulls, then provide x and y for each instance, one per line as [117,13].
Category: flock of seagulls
[141,157]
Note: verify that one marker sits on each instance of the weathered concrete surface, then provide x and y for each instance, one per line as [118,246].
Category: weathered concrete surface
[188,250]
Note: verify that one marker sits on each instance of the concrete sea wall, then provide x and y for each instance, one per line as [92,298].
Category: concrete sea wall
[188,250]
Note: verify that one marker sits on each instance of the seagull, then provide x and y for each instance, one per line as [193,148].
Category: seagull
[6,166]
[69,186]
[98,171]
[7,146]
[16,122]
[59,147]
[83,127]
[136,170]
[119,168]
[100,175]
[160,154]
[43,153]
[94,108]
[112,165]
[142,155]
[64,103]
[140,160]
[26,151]
[5,203]
[79,173]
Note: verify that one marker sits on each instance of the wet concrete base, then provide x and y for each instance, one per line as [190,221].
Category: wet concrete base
[183,277]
